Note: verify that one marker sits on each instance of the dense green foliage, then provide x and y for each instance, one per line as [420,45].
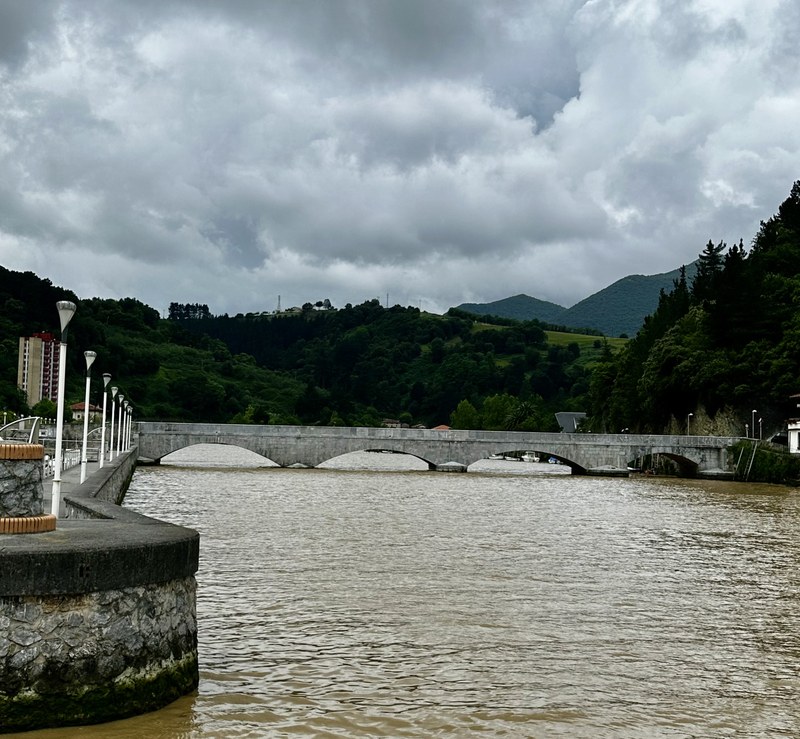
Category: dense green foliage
[28,306]
[726,341]
[354,366]
[165,371]
[363,363]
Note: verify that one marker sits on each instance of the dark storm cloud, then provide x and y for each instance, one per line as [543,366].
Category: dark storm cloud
[441,151]
[23,23]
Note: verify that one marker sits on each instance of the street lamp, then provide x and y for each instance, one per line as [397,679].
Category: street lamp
[760,429]
[119,427]
[126,416]
[66,310]
[753,425]
[101,457]
[111,440]
[90,357]
[130,426]
[688,421]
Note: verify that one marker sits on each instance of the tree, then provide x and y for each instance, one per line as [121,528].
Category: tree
[45,408]
[709,268]
[465,416]
[188,311]
[496,410]
[523,416]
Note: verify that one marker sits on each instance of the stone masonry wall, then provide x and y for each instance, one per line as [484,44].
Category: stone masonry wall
[97,616]
[21,480]
[86,658]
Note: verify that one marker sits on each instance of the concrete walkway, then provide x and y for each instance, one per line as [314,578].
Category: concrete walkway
[70,479]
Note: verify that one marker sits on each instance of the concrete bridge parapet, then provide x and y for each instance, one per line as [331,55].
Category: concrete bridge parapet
[311,445]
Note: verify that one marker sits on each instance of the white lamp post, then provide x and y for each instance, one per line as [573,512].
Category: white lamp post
[125,416]
[101,457]
[130,426]
[66,310]
[111,440]
[760,429]
[119,427]
[753,425]
[688,421]
[90,357]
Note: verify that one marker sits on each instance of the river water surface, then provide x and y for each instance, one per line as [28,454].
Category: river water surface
[515,601]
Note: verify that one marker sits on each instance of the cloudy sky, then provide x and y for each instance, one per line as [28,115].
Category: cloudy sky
[438,151]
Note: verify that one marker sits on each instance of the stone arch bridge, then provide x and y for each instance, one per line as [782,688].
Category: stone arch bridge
[309,446]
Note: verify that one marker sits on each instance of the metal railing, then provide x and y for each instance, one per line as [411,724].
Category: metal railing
[22,431]
[27,431]
[70,458]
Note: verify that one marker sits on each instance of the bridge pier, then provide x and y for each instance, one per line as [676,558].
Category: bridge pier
[607,472]
[450,467]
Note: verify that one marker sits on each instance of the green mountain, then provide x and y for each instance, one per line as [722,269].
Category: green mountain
[617,309]
[621,307]
[167,372]
[518,307]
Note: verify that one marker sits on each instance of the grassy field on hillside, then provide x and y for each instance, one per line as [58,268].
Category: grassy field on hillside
[584,341]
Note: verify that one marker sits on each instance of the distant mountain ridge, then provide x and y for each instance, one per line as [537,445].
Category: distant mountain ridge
[617,309]
[519,307]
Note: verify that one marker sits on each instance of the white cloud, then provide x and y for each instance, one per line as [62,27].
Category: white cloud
[227,153]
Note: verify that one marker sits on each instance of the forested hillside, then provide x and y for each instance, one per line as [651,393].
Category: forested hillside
[357,365]
[28,306]
[621,308]
[518,307]
[363,363]
[720,345]
[164,371]
[616,310]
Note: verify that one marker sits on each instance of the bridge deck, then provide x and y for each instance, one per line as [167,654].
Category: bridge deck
[311,445]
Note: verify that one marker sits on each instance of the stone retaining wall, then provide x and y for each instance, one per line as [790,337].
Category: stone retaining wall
[91,657]
[97,618]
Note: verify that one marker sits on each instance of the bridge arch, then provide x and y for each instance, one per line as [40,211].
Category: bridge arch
[384,459]
[575,468]
[386,449]
[687,466]
[246,456]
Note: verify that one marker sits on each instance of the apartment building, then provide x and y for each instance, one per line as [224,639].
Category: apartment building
[37,370]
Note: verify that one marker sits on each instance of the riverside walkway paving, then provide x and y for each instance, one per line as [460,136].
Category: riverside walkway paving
[70,479]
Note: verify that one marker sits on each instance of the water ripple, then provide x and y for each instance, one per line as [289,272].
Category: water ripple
[415,604]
